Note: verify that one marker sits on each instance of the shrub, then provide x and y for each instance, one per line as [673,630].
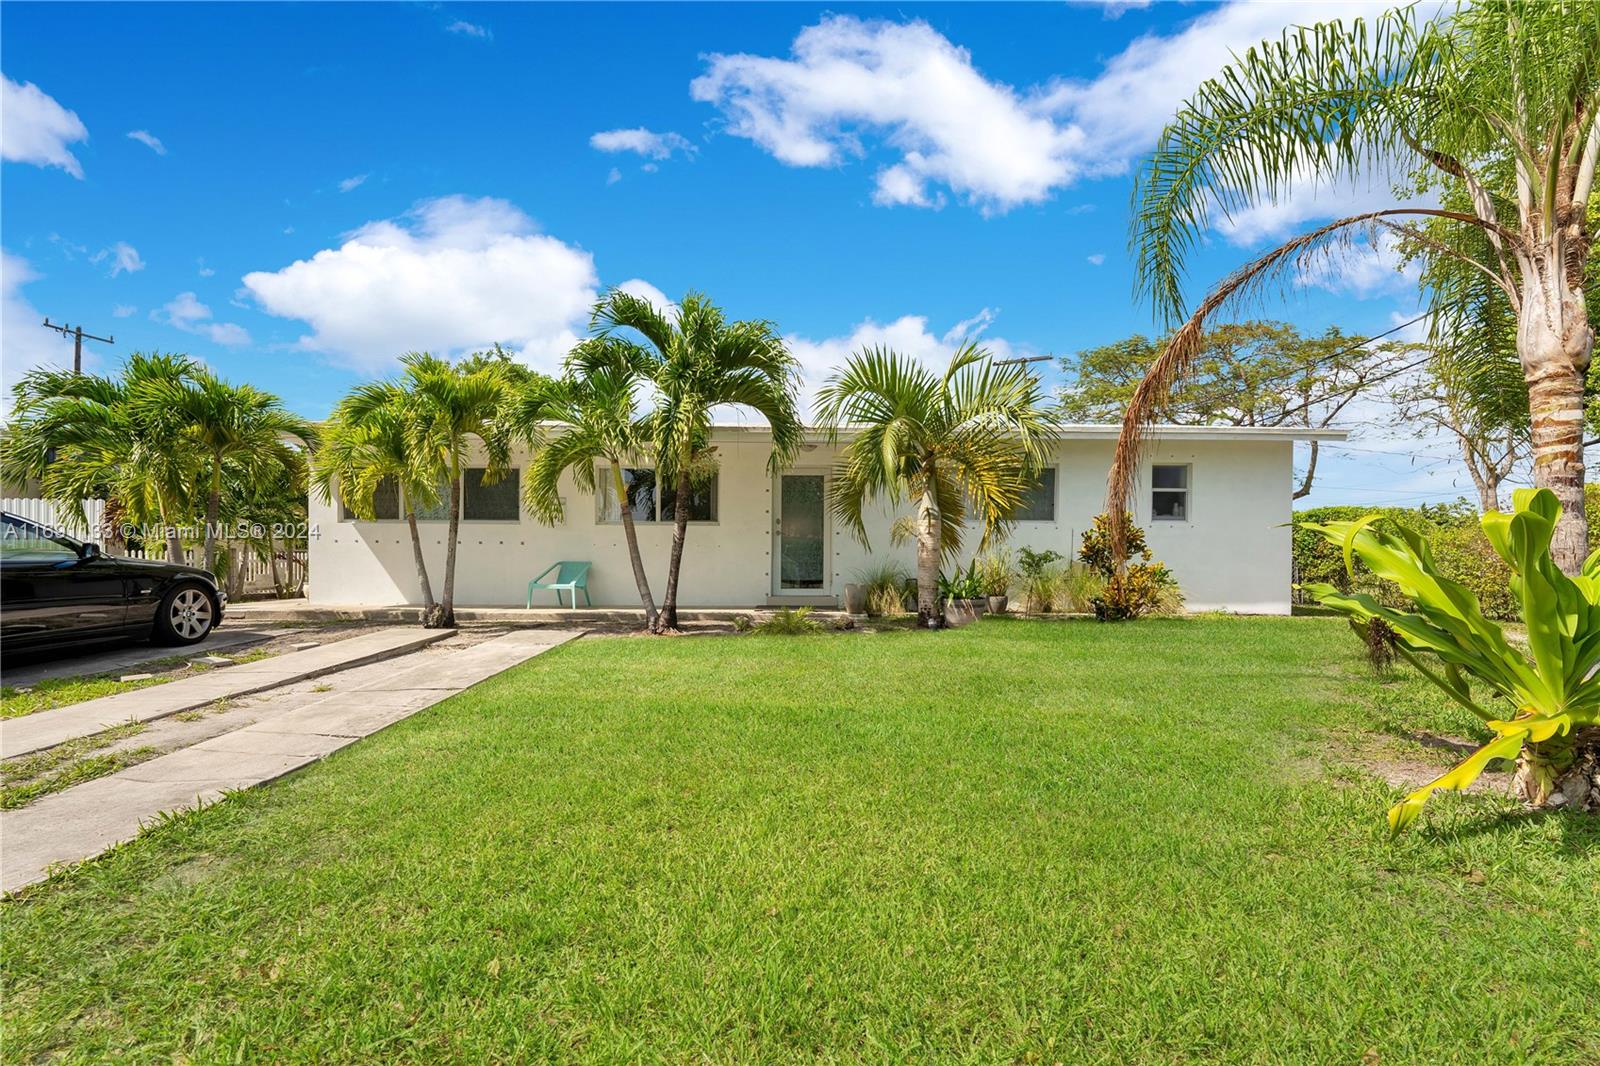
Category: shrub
[1140,587]
[1318,562]
[1077,587]
[886,589]
[789,622]
[995,572]
[1464,554]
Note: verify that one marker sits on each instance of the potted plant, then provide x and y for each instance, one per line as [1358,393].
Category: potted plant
[963,595]
[996,572]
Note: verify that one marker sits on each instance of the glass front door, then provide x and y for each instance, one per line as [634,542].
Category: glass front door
[802,530]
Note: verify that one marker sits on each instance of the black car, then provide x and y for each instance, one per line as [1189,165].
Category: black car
[56,590]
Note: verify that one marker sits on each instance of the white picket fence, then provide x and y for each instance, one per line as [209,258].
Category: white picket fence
[257,572]
[47,514]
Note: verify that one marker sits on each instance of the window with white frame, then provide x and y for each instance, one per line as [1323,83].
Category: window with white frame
[650,500]
[1039,502]
[1169,493]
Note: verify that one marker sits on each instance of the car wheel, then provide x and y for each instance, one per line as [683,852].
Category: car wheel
[187,615]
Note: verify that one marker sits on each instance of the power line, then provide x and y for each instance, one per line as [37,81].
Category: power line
[78,337]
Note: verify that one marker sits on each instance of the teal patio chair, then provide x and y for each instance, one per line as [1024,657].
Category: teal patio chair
[570,576]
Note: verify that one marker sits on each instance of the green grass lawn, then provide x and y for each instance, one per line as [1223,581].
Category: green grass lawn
[1013,842]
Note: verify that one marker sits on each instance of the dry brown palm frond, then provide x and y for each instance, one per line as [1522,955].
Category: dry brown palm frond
[1178,356]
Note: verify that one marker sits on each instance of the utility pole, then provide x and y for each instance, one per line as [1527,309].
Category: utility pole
[78,337]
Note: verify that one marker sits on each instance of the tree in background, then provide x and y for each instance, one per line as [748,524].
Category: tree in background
[85,436]
[576,422]
[695,361]
[236,424]
[1491,446]
[1244,374]
[1498,84]
[964,443]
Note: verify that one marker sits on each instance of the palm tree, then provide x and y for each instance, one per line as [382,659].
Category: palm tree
[1500,98]
[582,419]
[367,444]
[965,443]
[446,407]
[83,436]
[696,360]
[237,423]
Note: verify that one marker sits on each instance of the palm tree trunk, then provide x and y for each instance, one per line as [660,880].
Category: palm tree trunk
[213,510]
[1554,342]
[428,606]
[928,614]
[447,604]
[668,618]
[170,531]
[640,578]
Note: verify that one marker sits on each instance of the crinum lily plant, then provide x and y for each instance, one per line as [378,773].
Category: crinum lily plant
[1550,691]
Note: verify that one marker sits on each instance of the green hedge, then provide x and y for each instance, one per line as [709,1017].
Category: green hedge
[1458,543]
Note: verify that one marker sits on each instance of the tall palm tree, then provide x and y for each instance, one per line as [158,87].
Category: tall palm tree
[584,418]
[84,435]
[237,423]
[367,443]
[447,407]
[1497,87]
[963,444]
[696,360]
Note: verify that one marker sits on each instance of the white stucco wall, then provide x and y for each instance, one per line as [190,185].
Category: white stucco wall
[1232,553]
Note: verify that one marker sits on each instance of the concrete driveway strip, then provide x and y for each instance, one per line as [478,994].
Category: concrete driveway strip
[123,659]
[85,820]
[46,729]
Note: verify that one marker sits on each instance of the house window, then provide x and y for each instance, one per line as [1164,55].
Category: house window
[649,502]
[1039,502]
[1169,493]
[480,502]
[385,502]
[490,503]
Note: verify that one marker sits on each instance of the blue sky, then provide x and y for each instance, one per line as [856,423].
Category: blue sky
[299,193]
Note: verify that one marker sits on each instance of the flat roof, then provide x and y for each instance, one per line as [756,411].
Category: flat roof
[1105,431]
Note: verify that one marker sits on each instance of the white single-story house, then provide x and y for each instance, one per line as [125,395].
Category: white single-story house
[1214,501]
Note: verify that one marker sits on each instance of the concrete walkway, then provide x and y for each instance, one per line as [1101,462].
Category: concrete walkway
[301,611]
[46,729]
[84,821]
[119,658]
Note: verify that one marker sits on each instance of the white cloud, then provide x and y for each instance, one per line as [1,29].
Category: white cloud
[186,312]
[35,129]
[124,258]
[613,177]
[646,291]
[1363,269]
[353,182]
[469,29]
[1096,259]
[149,140]
[203,270]
[909,335]
[124,311]
[451,275]
[645,142]
[911,87]
[24,344]
[853,88]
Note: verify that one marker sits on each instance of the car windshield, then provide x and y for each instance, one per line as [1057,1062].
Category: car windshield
[24,541]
